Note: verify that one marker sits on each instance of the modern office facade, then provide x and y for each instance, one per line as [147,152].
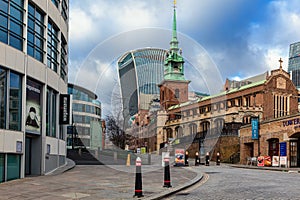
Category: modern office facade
[140,71]
[33,75]
[86,129]
[294,63]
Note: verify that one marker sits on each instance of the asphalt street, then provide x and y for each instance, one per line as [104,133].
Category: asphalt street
[229,183]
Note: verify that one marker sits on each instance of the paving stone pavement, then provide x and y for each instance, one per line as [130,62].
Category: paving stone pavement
[95,182]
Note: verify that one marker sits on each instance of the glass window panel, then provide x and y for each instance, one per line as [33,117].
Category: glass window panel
[16,28]
[3,21]
[15,42]
[2,162]
[30,50]
[39,55]
[3,36]
[15,102]
[16,13]
[30,23]
[13,167]
[2,98]
[4,6]
[39,43]
[53,115]
[18,2]
[31,9]
[30,37]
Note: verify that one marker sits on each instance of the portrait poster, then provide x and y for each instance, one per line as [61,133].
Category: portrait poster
[275,161]
[283,161]
[33,107]
[179,157]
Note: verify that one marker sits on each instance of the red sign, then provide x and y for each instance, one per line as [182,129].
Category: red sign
[260,161]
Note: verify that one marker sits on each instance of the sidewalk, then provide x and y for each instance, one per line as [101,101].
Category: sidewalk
[100,182]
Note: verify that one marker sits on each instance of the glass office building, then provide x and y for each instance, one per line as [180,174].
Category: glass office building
[86,130]
[140,71]
[294,63]
[33,75]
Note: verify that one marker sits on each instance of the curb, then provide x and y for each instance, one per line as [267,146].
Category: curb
[70,165]
[267,168]
[171,191]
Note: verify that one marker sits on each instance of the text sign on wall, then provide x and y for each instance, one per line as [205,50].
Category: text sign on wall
[65,109]
[282,148]
[254,124]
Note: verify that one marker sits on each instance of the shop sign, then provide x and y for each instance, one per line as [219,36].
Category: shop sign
[291,122]
[275,161]
[282,148]
[179,157]
[254,124]
[143,150]
[19,146]
[65,109]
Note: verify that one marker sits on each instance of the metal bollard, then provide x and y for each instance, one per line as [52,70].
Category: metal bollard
[186,158]
[167,177]
[207,159]
[218,158]
[138,192]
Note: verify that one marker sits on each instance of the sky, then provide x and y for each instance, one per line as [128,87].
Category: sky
[232,39]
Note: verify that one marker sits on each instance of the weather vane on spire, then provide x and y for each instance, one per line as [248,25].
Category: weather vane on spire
[174,3]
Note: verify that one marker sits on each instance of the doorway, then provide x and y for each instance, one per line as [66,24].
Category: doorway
[28,142]
[295,153]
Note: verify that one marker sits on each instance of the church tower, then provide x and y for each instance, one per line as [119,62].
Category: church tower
[174,87]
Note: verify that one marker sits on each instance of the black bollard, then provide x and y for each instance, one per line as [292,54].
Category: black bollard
[218,158]
[138,192]
[167,177]
[207,159]
[197,160]
[186,158]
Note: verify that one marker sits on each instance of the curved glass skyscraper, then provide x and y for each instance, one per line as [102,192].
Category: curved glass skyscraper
[140,71]
[294,63]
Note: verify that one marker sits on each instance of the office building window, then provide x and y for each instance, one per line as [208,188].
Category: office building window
[35,33]
[10,85]
[56,2]
[11,23]
[51,113]
[2,97]
[64,59]
[13,167]
[2,167]
[64,9]
[15,101]
[52,46]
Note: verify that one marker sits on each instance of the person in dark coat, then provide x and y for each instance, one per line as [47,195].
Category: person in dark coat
[32,119]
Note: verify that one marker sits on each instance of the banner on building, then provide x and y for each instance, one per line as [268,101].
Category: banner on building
[65,109]
[179,157]
[282,148]
[275,161]
[33,107]
[254,124]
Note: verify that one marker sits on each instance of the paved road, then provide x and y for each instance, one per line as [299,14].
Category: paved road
[234,183]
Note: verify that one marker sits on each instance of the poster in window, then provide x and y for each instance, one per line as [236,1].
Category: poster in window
[33,107]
